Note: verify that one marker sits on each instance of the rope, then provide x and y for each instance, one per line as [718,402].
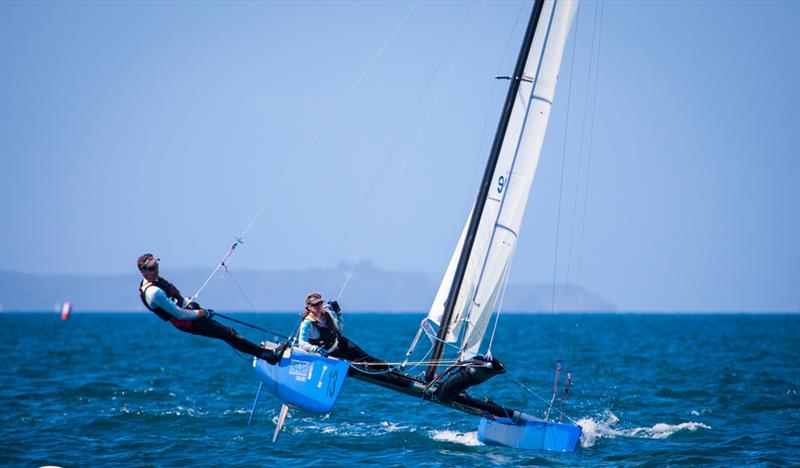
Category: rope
[380,171]
[430,350]
[580,162]
[499,306]
[416,363]
[550,403]
[486,120]
[274,334]
[331,116]
[364,371]
[487,112]
[247,299]
[240,355]
[532,392]
[563,169]
[221,264]
[580,157]
[589,149]
[295,161]
[435,338]
[355,364]
[410,151]
[255,327]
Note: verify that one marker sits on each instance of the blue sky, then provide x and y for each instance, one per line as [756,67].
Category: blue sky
[128,127]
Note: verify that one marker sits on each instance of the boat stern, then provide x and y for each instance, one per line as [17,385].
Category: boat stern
[527,432]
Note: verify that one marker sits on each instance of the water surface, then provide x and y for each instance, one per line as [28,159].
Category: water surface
[127,389]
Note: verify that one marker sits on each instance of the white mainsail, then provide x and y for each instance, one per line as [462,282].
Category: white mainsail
[503,210]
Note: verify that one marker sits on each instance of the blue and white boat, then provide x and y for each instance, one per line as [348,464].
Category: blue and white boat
[477,272]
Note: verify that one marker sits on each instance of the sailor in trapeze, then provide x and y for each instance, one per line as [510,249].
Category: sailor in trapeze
[163,299]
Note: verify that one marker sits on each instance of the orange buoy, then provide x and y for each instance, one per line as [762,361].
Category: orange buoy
[66,309]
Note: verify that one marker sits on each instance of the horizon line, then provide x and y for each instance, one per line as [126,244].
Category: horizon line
[410,312]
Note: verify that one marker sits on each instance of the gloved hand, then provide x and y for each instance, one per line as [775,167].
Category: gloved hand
[335,306]
[193,306]
[207,313]
[322,352]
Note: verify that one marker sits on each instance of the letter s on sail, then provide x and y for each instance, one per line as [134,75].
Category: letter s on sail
[500,183]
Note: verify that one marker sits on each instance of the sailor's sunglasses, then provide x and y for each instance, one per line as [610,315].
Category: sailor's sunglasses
[152,268]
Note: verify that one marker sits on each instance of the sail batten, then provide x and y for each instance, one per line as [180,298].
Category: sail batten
[482,258]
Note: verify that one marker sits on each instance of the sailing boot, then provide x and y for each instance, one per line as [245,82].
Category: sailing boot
[273,356]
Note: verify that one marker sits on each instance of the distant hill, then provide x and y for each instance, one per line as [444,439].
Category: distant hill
[369,289]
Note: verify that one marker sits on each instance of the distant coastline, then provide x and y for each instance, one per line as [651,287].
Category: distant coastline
[371,289]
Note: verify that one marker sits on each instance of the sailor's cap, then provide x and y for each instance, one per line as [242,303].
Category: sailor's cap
[313,299]
[147,260]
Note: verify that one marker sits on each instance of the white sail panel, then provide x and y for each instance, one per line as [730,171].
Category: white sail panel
[437,309]
[501,218]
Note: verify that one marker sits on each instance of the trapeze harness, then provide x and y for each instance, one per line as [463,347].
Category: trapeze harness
[172,292]
[202,326]
[328,337]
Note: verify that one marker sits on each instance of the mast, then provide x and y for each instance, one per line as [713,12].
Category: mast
[483,192]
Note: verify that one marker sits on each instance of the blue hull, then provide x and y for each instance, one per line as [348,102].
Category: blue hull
[527,432]
[302,380]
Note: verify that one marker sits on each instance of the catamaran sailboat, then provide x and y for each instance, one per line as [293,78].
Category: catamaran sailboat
[468,294]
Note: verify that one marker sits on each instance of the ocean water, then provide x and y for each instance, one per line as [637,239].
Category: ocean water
[667,389]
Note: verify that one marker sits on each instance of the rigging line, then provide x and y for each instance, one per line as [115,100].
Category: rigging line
[295,161]
[355,364]
[532,392]
[255,327]
[240,355]
[489,103]
[413,146]
[438,378]
[483,138]
[332,115]
[563,168]
[576,289]
[590,144]
[500,304]
[486,122]
[220,264]
[241,291]
[434,338]
[416,363]
[242,322]
[534,83]
[364,371]
[391,153]
[491,99]
[296,331]
[238,286]
[430,350]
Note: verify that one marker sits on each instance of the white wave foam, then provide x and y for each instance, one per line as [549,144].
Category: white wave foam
[604,427]
[351,429]
[184,411]
[700,412]
[389,426]
[464,438]
[662,430]
[592,430]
